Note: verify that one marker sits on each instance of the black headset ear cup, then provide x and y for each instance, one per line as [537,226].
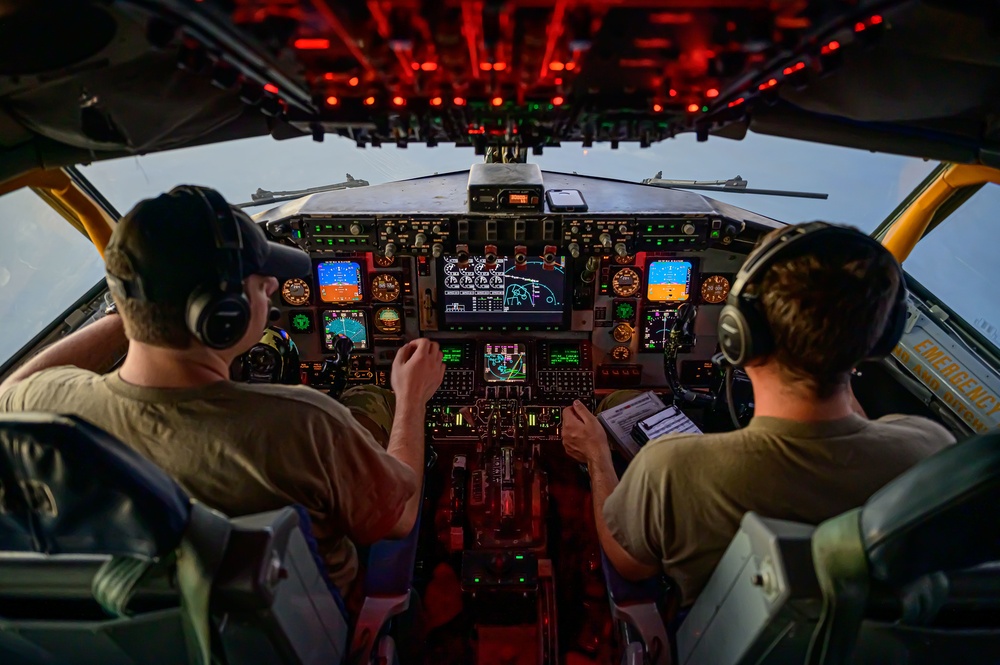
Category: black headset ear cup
[894,325]
[218,320]
[743,333]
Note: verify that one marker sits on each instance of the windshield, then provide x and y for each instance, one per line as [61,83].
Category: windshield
[863,187]
[46,265]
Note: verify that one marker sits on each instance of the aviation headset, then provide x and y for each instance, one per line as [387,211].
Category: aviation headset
[743,330]
[217,313]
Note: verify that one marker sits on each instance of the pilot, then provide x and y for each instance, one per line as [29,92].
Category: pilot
[808,454]
[191,278]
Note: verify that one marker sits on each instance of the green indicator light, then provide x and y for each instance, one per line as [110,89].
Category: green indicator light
[522,579]
[715,234]
[704,109]
[649,229]
[519,557]
[476,580]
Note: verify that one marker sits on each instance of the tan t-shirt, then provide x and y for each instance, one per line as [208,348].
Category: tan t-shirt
[245,449]
[681,500]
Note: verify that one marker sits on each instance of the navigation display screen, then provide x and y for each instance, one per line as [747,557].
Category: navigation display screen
[352,323]
[505,363]
[452,354]
[668,280]
[339,281]
[656,325]
[564,355]
[503,296]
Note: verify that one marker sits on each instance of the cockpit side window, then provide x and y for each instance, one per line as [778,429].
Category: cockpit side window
[46,265]
[958,263]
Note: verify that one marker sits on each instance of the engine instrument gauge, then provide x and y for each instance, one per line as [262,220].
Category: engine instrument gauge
[384,261]
[621,353]
[388,321]
[385,288]
[295,292]
[625,283]
[714,289]
[622,332]
[626,260]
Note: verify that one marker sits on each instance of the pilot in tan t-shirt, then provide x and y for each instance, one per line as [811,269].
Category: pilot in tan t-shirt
[681,500]
[244,449]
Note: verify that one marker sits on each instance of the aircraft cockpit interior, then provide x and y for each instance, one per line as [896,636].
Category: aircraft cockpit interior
[548,285]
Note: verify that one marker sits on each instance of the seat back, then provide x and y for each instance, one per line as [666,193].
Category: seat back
[106,560]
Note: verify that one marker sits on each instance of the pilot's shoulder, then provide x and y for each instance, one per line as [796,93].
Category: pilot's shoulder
[297,400]
[917,427]
[678,449]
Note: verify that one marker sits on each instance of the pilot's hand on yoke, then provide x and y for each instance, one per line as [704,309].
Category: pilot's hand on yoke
[583,436]
[417,371]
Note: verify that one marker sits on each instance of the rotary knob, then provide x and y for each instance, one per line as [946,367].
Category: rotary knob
[356,229]
[420,240]
[437,249]
[621,249]
[390,250]
[688,229]
[605,239]
[574,250]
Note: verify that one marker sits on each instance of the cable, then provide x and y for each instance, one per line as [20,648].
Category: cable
[730,398]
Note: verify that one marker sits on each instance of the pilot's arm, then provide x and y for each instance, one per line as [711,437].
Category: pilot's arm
[585,441]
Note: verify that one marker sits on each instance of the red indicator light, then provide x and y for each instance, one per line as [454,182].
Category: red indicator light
[673,93]
[570,66]
[332,101]
[271,88]
[711,92]
[429,66]
[353,81]
[830,48]
[436,101]
[328,76]
[557,101]
[768,84]
[415,66]
[398,101]
[497,101]
[875,20]
[736,102]
[557,66]
[312,44]
[693,108]
[657,108]
[558,81]
[369,101]
[459,101]
[859,27]
[486,66]
[797,67]
[499,66]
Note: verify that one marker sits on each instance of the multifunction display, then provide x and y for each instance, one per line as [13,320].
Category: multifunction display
[352,323]
[452,354]
[668,280]
[656,325]
[503,295]
[564,355]
[505,363]
[339,281]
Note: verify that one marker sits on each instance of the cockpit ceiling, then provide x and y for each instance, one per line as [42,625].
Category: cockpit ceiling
[87,80]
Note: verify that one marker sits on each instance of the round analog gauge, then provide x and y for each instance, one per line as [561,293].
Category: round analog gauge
[626,260]
[622,333]
[385,288]
[388,321]
[624,311]
[625,283]
[714,289]
[621,353]
[295,292]
[385,261]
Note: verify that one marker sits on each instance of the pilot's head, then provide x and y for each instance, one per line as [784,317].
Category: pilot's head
[826,302]
[186,268]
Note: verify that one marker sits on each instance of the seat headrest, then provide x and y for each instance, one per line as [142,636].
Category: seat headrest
[67,487]
[941,515]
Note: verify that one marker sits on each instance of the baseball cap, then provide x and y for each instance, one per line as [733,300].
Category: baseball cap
[171,244]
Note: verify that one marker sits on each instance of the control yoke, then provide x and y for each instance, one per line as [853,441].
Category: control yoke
[336,367]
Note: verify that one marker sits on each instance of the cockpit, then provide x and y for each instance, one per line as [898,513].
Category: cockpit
[546,282]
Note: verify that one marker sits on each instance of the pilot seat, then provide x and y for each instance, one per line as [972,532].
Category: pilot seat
[105,559]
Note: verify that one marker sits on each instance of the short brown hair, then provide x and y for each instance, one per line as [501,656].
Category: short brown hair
[157,323]
[826,310]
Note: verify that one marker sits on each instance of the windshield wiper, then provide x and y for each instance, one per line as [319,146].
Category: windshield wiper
[735,185]
[264,197]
